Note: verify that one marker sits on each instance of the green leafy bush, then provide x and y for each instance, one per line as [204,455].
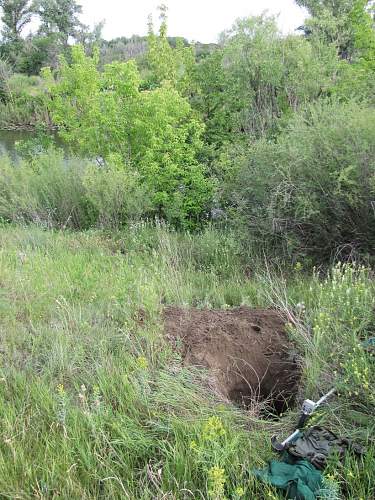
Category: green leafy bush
[313,190]
[155,133]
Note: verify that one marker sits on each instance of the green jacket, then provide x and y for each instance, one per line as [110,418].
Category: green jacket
[300,481]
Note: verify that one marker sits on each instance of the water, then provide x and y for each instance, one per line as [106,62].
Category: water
[9,139]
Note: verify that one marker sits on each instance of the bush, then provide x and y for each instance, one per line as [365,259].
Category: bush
[53,191]
[22,101]
[155,132]
[48,191]
[313,191]
[115,193]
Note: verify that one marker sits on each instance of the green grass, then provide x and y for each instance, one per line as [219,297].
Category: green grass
[95,404]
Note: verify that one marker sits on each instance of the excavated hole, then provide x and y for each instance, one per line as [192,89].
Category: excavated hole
[247,352]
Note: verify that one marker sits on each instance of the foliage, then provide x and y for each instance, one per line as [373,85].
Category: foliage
[155,132]
[16,15]
[5,74]
[115,194]
[88,393]
[258,78]
[58,16]
[212,100]
[40,143]
[341,23]
[49,192]
[312,191]
[122,49]
[276,135]
[167,63]
[58,26]
[183,127]
[363,30]
[23,103]
[47,189]
[357,79]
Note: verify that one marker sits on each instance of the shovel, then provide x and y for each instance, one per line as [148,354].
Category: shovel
[308,408]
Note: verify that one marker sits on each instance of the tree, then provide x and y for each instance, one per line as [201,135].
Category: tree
[336,7]
[338,22]
[362,22]
[166,63]
[59,17]
[258,78]
[16,15]
[347,25]
[155,132]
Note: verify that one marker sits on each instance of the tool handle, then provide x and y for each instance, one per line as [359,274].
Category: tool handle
[323,398]
[302,420]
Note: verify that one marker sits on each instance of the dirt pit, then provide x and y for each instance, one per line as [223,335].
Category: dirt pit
[246,351]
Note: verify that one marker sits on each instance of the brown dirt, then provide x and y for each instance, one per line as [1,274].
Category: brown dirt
[246,350]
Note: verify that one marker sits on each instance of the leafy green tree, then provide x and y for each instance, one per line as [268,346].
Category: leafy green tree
[338,22]
[59,17]
[166,63]
[362,22]
[154,132]
[356,75]
[16,15]
[212,99]
[252,85]
[37,52]
[316,7]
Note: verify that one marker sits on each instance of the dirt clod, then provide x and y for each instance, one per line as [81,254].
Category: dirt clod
[246,350]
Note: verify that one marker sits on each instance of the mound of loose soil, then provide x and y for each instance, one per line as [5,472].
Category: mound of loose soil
[246,350]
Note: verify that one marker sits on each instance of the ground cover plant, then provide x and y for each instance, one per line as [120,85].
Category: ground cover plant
[95,403]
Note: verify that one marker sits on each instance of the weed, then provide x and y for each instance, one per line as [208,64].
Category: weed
[129,420]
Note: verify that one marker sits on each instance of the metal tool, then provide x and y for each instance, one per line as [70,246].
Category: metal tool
[308,408]
[281,446]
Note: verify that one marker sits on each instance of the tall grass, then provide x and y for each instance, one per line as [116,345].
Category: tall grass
[95,404]
[52,191]
[23,104]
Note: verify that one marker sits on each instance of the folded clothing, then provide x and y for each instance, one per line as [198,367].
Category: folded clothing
[317,443]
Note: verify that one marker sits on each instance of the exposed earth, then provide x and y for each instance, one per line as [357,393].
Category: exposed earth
[246,351]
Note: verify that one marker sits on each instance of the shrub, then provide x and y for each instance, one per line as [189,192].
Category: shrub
[23,103]
[48,191]
[115,194]
[313,190]
[54,191]
[155,132]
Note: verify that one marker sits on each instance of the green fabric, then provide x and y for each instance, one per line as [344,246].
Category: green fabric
[297,474]
[300,481]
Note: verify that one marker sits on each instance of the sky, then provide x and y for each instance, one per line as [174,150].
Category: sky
[196,20]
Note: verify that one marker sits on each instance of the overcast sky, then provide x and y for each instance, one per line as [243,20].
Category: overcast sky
[198,20]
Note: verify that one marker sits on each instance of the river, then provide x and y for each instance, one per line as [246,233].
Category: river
[9,139]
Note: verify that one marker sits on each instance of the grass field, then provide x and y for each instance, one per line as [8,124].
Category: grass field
[95,404]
